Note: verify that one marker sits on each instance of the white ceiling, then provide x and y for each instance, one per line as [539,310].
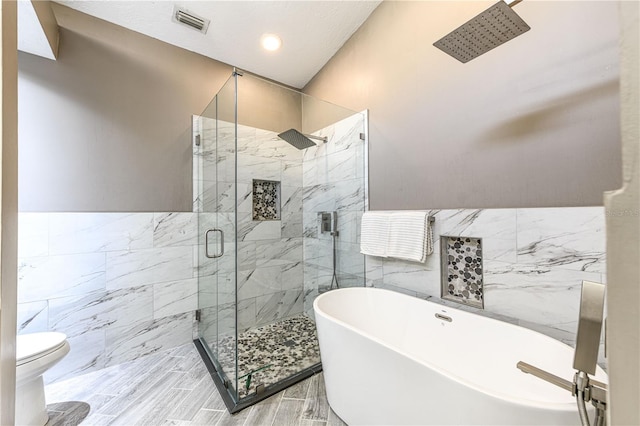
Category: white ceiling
[311,31]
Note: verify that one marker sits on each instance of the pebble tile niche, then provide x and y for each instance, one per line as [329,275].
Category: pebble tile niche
[266,200]
[462,270]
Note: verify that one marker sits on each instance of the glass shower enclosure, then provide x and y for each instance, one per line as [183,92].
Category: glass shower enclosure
[278,223]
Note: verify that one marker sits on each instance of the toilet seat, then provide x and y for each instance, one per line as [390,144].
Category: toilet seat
[30,347]
[36,353]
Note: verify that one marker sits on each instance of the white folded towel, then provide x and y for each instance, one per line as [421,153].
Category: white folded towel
[410,236]
[403,235]
[374,233]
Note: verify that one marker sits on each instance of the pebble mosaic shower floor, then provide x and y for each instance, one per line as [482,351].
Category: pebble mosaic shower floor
[270,353]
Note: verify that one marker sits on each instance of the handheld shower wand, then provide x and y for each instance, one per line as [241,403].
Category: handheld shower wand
[587,345]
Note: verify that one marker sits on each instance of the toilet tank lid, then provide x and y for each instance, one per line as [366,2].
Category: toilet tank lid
[33,345]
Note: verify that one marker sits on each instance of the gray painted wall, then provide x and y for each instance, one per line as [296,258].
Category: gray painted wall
[533,123]
[107,127]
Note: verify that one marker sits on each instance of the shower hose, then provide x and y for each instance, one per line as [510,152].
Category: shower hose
[600,419]
[582,409]
[334,234]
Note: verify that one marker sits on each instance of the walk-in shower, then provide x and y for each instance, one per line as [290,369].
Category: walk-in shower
[258,192]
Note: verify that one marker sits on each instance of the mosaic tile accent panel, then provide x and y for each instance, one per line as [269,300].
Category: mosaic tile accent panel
[271,353]
[462,270]
[266,200]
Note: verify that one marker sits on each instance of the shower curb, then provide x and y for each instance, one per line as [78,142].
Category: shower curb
[237,406]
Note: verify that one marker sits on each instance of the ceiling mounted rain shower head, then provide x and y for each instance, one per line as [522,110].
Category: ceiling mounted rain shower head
[299,140]
[488,30]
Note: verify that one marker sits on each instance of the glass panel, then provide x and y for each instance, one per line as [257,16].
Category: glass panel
[334,182]
[204,166]
[226,209]
[270,247]
[216,170]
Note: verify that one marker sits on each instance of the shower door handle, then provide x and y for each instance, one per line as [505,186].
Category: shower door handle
[206,244]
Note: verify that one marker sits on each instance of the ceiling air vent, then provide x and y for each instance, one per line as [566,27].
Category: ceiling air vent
[183,16]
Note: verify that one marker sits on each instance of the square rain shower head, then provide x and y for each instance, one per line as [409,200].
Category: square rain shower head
[488,30]
[296,139]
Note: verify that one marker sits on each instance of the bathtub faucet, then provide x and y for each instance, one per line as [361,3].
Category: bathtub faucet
[585,358]
[582,387]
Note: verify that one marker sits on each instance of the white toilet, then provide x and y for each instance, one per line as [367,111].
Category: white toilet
[35,354]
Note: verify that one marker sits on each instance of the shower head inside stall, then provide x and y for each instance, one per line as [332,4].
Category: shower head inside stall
[299,140]
[488,30]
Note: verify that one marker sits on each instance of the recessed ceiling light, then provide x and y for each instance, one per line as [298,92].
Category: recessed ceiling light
[271,42]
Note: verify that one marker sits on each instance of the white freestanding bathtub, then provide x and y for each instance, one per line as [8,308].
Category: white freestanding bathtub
[388,360]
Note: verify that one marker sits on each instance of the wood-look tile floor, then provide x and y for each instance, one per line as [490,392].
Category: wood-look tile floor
[175,388]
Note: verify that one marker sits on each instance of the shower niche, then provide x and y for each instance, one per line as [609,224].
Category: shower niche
[462,271]
[262,172]
[266,200]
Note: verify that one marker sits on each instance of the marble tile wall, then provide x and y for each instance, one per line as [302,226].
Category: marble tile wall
[534,261]
[120,285]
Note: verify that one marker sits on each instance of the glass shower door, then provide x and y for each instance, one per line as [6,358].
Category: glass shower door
[216,206]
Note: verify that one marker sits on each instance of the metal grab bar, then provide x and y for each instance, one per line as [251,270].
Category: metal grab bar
[206,244]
